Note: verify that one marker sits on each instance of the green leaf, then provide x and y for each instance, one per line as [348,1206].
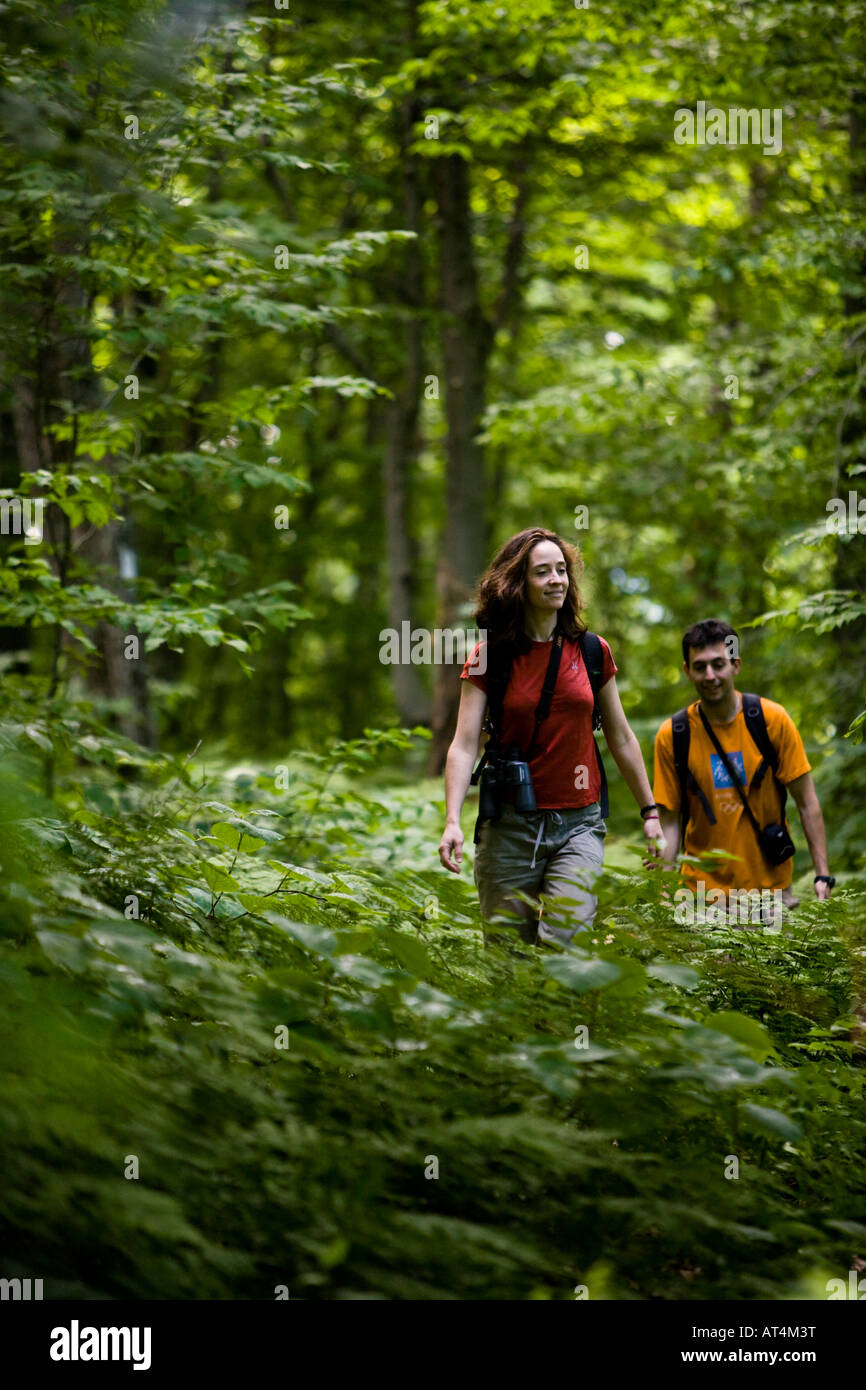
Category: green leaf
[319,939]
[744,1030]
[850,1228]
[682,975]
[410,953]
[773,1121]
[632,976]
[255,902]
[304,874]
[65,950]
[581,974]
[233,836]
[369,972]
[217,878]
[37,736]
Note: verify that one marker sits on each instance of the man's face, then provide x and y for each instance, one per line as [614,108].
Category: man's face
[713,672]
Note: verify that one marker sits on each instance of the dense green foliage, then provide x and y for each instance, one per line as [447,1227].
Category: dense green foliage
[563,1159]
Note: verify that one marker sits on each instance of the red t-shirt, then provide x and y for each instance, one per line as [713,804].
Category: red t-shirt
[565,769]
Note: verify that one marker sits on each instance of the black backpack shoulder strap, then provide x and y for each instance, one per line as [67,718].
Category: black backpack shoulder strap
[499,659]
[681,739]
[498,673]
[688,785]
[757,727]
[593,660]
[756,724]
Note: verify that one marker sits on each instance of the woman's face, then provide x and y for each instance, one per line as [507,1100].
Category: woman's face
[546,578]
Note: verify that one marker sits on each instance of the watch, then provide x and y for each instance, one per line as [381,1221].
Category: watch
[825,878]
[645,810]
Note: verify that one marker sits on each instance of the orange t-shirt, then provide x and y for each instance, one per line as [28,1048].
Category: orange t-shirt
[733,831]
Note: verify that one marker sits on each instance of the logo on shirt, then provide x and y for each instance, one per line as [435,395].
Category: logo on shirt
[720,775]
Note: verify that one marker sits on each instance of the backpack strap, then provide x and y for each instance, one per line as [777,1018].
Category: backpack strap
[498,672]
[686,778]
[593,660]
[756,724]
[681,739]
[499,659]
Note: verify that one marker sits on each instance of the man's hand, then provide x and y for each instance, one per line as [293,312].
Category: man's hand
[822,890]
[652,829]
[451,847]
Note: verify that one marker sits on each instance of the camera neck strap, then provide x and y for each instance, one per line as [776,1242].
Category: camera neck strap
[497,683]
[542,709]
[731,771]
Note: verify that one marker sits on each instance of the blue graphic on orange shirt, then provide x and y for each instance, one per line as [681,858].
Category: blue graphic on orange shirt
[720,776]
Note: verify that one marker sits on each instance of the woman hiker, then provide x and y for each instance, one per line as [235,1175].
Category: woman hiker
[541,829]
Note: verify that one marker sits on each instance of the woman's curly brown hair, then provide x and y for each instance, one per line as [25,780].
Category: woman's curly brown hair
[502,587]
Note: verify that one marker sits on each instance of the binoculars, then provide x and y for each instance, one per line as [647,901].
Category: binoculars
[501,771]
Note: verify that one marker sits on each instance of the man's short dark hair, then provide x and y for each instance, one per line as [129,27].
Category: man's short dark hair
[705,634]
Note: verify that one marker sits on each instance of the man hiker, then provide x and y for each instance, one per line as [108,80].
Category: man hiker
[723,768]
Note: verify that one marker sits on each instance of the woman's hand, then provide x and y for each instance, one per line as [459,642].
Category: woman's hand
[451,847]
[652,829]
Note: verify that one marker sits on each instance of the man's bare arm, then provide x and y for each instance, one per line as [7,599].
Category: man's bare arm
[671,826]
[803,791]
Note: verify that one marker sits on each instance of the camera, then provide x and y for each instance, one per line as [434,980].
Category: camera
[776,844]
[505,771]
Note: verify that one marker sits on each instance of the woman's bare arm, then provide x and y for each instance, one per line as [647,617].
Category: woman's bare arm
[626,752]
[458,770]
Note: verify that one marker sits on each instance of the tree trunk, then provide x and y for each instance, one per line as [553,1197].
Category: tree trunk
[401,442]
[60,369]
[466,343]
[850,568]
[359,700]
[115,678]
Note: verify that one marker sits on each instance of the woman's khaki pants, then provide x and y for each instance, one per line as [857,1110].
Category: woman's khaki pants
[552,856]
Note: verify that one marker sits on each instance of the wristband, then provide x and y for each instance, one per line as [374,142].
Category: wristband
[825,878]
[644,810]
